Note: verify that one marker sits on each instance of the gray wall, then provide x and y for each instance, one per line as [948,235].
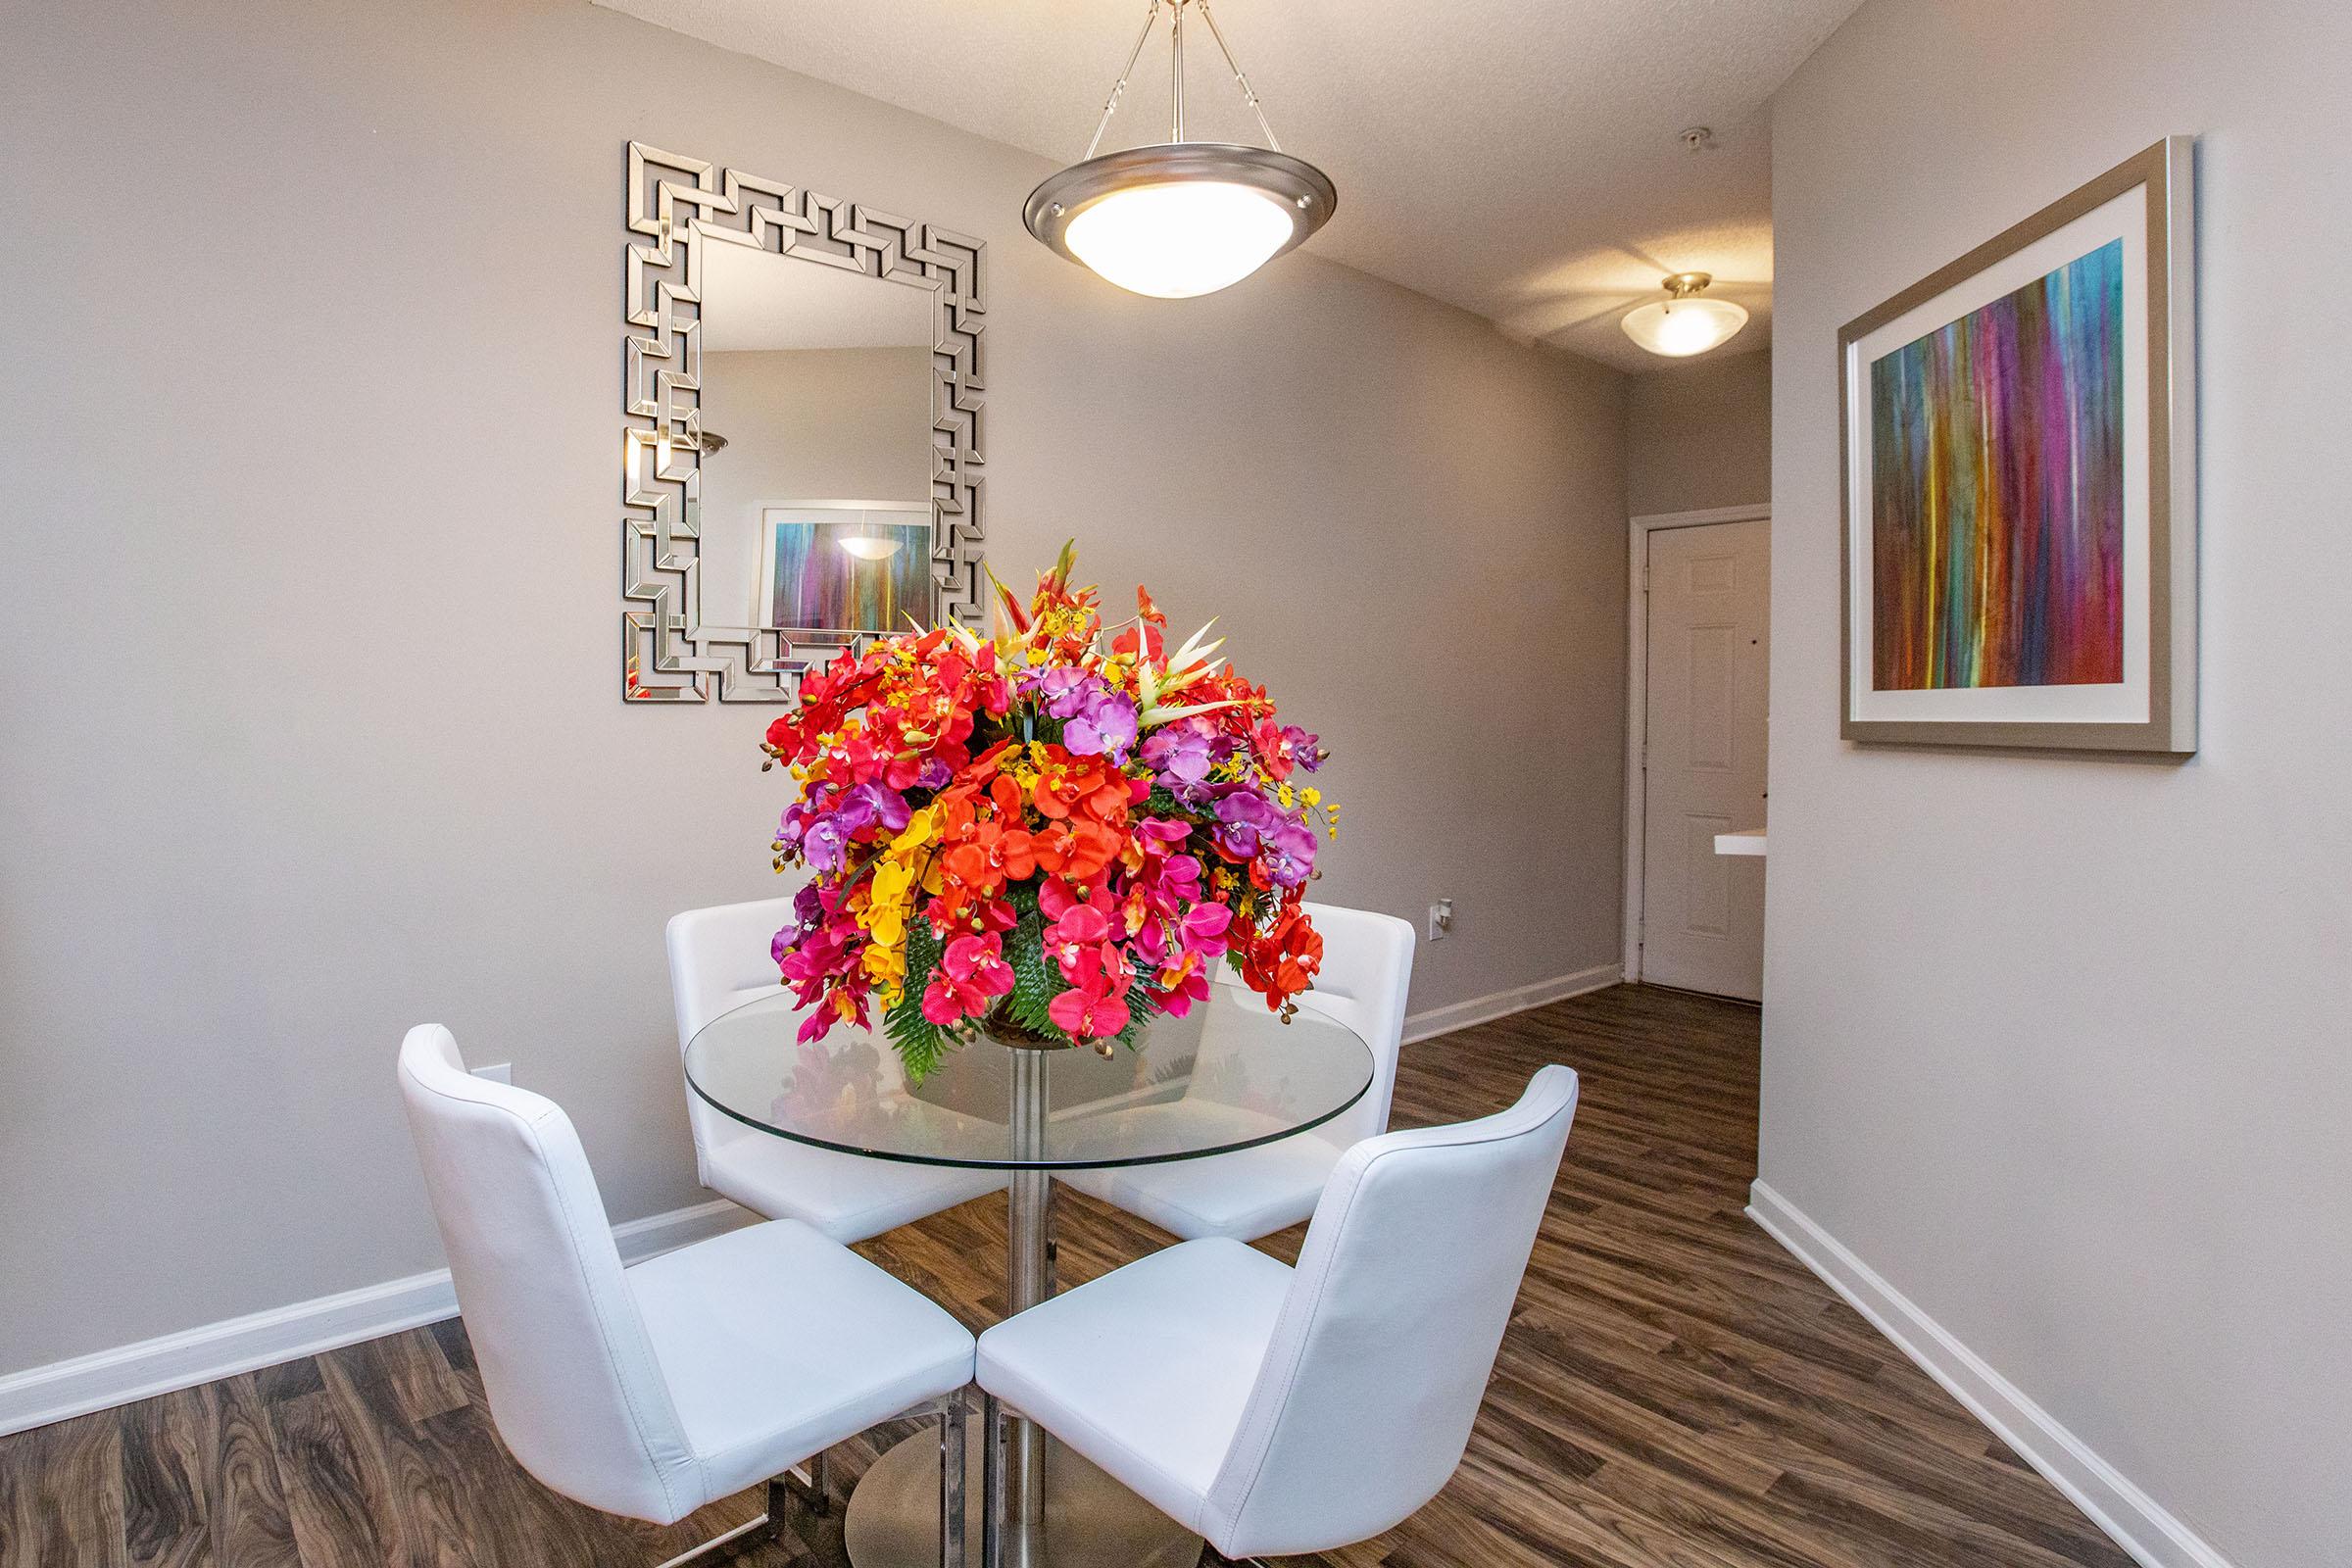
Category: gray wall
[314,405]
[2060,1047]
[1699,435]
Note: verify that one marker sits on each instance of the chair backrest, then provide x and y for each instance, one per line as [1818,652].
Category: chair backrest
[1367,966]
[1364,1405]
[570,1373]
[720,958]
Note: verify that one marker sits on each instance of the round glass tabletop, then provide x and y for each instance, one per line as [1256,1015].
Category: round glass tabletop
[1228,1076]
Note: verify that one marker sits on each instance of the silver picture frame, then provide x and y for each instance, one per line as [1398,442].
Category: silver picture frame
[2159,457]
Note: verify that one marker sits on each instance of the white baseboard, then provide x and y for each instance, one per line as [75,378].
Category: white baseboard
[1503,1004]
[104,1379]
[2135,1520]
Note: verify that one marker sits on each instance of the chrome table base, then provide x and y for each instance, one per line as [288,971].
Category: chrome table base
[1056,1510]
[1090,1520]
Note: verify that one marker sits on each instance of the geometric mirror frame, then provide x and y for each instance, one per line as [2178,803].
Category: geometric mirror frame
[677,206]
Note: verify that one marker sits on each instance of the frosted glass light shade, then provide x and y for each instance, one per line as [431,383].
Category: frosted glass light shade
[1179,240]
[1681,327]
[1182,218]
[870,547]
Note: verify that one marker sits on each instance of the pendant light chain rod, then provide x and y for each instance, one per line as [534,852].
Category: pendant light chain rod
[1176,68]
[1241,79]
[1119,88]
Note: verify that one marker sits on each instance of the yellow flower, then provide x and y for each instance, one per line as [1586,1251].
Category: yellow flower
[918,832]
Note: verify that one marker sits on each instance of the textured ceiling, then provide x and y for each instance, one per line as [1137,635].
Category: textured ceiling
[1518,158]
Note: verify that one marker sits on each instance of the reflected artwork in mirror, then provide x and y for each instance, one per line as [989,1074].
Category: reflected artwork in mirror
[803,447]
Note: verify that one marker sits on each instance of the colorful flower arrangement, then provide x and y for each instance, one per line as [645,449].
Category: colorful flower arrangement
[1040,835]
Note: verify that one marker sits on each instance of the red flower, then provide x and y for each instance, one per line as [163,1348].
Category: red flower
[1282,960]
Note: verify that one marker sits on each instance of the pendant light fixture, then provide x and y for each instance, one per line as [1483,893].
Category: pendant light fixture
[1686,322]
[1183,218]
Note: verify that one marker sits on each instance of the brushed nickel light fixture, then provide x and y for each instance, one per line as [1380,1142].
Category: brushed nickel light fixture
[1183,218]
[1686,322]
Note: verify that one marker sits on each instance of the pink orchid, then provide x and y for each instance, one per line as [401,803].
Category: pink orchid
[972,974]
[1190,985]
[1084,1014]
[1204,928]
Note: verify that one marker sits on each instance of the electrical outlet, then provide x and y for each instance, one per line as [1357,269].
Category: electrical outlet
[1441,919]
[498,1072]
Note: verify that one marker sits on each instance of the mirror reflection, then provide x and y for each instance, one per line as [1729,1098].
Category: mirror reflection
[816,493]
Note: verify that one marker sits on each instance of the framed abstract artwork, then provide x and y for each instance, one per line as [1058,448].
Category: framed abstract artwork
[2018,440]
[844,568]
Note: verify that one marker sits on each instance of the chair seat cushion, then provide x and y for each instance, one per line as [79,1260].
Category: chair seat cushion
[1146,1371]
[778,1343]
[847,1196]
[1243,1195]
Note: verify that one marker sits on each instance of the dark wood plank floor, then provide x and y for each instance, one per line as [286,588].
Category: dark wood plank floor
[1675,1392]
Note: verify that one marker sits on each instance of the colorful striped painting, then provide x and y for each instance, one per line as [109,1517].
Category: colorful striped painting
[1997,491]
[820,586]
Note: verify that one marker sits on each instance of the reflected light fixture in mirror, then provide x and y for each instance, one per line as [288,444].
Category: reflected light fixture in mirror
[1686,322]
[1183,218]
[868,544]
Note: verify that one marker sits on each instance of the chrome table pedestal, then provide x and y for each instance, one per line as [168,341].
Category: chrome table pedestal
[1056,1510]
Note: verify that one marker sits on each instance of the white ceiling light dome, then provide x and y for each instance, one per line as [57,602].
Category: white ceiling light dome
[1183,218]
[1686,322]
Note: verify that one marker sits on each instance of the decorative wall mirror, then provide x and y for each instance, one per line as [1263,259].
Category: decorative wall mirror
[802,443]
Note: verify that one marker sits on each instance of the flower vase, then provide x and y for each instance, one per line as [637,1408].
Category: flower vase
[1004,1030]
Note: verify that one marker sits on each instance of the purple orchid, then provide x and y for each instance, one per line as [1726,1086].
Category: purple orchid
[1290,854]
[1179,754]
[865,804]
[825,845]
[1102,726]
[1060,689]
[1244,818]
[1097,721]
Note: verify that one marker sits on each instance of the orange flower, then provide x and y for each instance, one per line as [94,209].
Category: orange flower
[1077,852]
[1088,785]
[1282,960]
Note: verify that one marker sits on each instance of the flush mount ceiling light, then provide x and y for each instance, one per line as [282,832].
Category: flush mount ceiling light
[1183,218]
[1686,322]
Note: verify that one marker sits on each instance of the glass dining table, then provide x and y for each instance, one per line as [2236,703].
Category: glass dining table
[1228,1076]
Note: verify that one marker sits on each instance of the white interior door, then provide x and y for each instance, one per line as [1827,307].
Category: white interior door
[1702,914]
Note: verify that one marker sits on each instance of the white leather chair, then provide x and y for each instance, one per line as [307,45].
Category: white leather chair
[719,959]
[1274,1411]
[654,1389]
[1367,965]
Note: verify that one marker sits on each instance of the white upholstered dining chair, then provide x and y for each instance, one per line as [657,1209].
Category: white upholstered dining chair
[1274,1411]
[1367,965]
[719,959]
[653,1389]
